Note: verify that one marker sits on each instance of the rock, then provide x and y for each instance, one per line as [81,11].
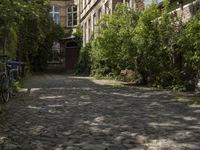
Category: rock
[130,76]
[10,147]
[25,147]
[94,147]
[72,148]
[59,148]
[115,147]
[119,139]
[129,143]
[2,140]
[138,148]
[141,139]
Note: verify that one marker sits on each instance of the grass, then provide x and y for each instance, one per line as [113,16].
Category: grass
[193,101]
[104,77]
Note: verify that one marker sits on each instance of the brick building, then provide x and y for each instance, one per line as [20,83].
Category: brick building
[86,13]
[92,10]
[185,9]
[65,13]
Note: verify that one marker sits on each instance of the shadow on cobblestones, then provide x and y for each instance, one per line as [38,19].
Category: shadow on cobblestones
[65,112]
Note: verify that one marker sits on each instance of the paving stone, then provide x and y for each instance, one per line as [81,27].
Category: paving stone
[72,148]
[129,143]
[25,147]
[74,113]
[10,147]
[94,147]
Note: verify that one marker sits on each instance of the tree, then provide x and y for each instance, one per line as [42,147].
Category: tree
[28,23]
[113,48]
[147,40]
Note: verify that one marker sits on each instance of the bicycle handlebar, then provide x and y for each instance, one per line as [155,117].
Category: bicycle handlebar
[3,56]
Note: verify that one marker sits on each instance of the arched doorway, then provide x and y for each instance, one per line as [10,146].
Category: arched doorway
[71,54]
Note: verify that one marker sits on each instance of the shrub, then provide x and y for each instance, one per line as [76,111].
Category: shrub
[163,50]
[84,64]
[113,49]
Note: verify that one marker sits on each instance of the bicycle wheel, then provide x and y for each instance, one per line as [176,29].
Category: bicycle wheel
[5,91]
[11,82]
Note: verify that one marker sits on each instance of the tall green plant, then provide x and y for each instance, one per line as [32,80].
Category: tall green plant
[28,24]
[147,42]
[113,48]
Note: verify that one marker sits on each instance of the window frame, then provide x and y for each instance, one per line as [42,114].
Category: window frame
[73,14]
[53,13]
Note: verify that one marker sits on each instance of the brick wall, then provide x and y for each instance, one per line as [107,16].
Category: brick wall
[64,4]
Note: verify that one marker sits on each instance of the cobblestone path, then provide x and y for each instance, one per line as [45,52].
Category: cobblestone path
[59,112]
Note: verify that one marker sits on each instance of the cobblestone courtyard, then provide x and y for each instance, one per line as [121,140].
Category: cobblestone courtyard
[59,112]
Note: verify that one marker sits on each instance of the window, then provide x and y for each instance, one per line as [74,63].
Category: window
[89,28]
[149,2]
[55,56]
[55,13]
[129,3]
[99,13]
[72,16]
[107,9]
[94,24]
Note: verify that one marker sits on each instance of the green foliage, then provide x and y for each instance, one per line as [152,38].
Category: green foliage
[113,48]
[194,101]
[146,38]
[78,36]
[25,27]
[160,47]
[192,46]
[84,65]
[12,43]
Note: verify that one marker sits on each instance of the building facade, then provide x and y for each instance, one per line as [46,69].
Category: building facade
[91,12]
[66,14]
[186,9]
[87,13]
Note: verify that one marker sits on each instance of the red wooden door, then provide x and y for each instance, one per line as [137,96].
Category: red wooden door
[71,58]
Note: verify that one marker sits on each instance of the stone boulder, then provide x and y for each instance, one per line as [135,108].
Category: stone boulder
[130,76]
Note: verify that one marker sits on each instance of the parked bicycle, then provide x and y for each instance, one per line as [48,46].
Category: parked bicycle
[6,79]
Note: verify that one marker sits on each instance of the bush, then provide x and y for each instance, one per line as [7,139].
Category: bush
[163,50]
[113,49]
[84,64]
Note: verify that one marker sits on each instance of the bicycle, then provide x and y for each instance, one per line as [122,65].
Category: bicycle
[6,80]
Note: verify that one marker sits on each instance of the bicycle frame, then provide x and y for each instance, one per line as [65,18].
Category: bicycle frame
[5,82]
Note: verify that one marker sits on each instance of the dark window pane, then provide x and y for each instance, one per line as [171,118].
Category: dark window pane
[74,22]
[74,8]
[52,8]
[51,15]
[69,23]
[69,9]
[70,16]
[75,15]
[56,8]
[57,18]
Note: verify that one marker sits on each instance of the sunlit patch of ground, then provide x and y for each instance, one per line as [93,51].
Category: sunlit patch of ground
[113,83]
[192,101]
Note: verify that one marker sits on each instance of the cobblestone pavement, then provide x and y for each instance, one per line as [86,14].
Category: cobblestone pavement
[59,112]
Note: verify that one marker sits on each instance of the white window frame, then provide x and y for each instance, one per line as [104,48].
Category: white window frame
[72,13]
[53,13]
